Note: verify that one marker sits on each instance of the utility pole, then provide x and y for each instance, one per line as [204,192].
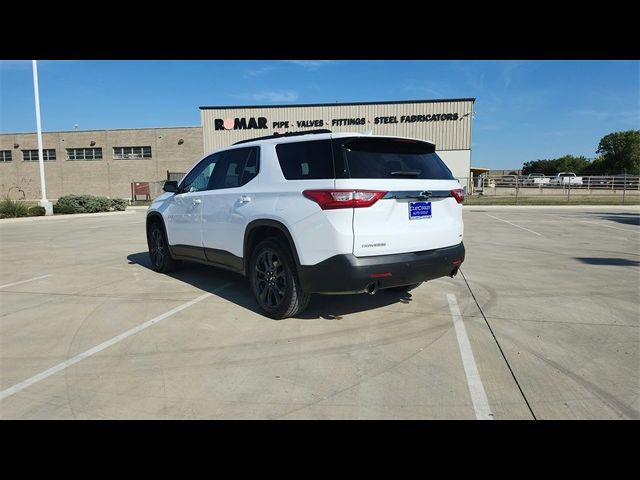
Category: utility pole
[48,206]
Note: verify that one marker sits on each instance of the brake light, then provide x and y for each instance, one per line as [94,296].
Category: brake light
[458,194]
[332,199]
[381,275]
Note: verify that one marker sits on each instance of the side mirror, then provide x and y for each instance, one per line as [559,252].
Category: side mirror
[170,186]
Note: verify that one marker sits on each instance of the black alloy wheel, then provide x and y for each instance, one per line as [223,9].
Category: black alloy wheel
[159,253]
[271,280]
[274,280]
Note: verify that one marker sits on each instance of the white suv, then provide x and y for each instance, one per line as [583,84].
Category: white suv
[314,212]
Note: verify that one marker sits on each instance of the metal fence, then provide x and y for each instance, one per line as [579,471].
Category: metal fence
[558,185]
[146,191]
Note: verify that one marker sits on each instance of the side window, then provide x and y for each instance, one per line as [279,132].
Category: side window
[235,168]
[306,160]
[199,178]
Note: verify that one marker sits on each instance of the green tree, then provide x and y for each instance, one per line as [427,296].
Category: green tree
[547,167]
[567,163]
[621,152]
[597,167]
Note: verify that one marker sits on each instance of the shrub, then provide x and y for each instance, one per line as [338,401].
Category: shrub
[63,208]
[87,204]
[13,208]
[119,203]
[36,211]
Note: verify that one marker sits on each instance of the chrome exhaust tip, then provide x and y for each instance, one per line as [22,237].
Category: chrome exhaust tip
[371,289]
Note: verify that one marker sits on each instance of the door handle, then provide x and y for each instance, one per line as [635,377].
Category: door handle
[197,201]
[244,199]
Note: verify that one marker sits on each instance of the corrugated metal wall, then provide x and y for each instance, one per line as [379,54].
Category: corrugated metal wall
[447,134]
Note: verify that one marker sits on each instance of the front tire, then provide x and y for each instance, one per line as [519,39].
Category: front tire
[159,254]
[274,280]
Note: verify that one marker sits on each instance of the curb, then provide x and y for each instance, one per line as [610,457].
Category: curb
[58,217]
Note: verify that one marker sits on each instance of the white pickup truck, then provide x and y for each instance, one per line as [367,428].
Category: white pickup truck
[535,179]
[566,179]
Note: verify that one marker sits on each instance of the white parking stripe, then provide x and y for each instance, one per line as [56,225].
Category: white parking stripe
[474,382]
[25,281]
[610,226]
[98,348]
[518,226]
[111,226]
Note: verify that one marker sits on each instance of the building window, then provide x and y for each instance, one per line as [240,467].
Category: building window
[84,153]
[49,154]
[5,155]
[128,153]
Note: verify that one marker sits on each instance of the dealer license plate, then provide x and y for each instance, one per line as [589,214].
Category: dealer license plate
[419,210]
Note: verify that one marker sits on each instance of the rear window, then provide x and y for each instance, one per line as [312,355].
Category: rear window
[306,160]
[392,158]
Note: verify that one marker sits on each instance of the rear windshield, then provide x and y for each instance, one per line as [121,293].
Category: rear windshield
[361,157]
[392,158]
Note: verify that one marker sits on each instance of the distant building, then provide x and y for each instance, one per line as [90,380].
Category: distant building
[106,162]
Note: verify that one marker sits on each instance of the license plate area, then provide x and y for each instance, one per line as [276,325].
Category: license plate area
[418,210]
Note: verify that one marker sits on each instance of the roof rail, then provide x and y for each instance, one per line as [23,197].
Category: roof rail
[287,134]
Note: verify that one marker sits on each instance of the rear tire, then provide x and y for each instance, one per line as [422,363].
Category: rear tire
[274,280]
[405,288]
[159,254]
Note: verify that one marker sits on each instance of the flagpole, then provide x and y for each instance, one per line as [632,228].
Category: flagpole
[43,202]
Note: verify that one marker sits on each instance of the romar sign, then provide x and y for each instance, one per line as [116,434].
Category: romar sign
[253,123]
[240,123]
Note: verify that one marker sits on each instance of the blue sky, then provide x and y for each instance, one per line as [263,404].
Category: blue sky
[525,110]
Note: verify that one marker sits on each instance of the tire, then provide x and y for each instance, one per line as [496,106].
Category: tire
[405,288]
[274,280]
[159,254]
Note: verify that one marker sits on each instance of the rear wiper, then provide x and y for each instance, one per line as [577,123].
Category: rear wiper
[406,173]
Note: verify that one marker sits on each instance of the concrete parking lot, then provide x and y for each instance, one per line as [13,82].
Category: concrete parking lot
[543,322]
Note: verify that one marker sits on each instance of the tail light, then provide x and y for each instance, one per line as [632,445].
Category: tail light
[458,194]
[332,199]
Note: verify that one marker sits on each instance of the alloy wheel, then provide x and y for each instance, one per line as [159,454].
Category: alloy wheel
[158,252]
[270,279]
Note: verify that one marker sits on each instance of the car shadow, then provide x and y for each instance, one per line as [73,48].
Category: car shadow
[621,262]
[327,307]
[624,218]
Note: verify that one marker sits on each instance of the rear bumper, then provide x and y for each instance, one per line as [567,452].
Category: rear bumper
[351,274]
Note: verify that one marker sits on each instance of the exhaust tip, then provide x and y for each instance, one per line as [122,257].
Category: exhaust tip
[371,289]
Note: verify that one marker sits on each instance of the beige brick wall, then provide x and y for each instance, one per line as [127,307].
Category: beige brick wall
[108,176]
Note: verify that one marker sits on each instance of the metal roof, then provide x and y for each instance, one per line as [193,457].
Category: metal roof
[336,104]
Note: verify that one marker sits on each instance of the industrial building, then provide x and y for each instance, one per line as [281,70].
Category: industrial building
[106,162]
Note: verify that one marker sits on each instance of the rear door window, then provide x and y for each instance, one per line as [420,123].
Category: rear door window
[370,157]
[306,160]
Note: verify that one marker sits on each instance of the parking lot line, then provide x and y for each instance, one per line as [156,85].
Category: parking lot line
[610,226]
[122,224]
[25,281]
[98,348]
[474,382]
[518,226]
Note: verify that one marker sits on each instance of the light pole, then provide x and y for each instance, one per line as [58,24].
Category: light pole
[48,207]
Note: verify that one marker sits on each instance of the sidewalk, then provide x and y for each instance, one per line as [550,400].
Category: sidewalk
[128,211]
